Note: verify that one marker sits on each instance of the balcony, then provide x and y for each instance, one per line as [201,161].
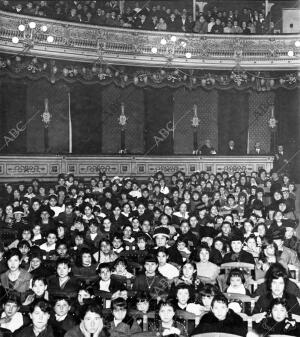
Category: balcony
[87,43]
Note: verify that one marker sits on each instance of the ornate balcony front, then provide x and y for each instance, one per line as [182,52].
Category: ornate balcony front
[87,43]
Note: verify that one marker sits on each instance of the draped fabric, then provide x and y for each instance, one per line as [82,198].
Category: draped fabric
[158,105]
[86,109]
[287,113]
[12,117]
[54,138]
[233,117]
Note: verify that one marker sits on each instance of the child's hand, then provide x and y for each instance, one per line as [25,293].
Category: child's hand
[5,320]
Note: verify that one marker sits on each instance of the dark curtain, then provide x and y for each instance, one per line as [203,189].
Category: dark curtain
[13,117]
[287,113]
[233,119]
[158,104]
[86,111]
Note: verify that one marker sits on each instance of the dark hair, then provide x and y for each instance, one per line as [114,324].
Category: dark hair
[162,250]
[13,252]
[219,298]
[12,298]
[61,298]
[44,305]
[39,278]
[209,290]
[92,307]
[235,273]
[164,302]
[104,265]
[63,260]
[275,274]
[83,250]
[119,302]
[183,286]
[23,243]
[279,301]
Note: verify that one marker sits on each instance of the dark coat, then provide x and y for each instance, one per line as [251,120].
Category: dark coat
[232,324]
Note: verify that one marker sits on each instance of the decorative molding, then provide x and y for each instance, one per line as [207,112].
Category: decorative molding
[14,168]
[87,43]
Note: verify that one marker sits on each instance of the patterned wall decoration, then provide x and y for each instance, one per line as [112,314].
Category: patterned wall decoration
[259,114]
[206,102]
[133,101]
[58,107]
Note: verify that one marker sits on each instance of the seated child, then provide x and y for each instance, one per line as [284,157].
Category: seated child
[236,282]
[11,319]
[221,319]
[279,320]
[121,323]
[120,268]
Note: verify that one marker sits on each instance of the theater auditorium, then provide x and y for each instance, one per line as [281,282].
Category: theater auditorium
[149,168]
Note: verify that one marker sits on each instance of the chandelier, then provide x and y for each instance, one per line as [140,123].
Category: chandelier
[171,45]
[28,32]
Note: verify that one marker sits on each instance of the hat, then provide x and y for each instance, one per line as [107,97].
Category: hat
[278,234]
[18,210]
[162,231]
[46,209]
[53,196]
[288,223]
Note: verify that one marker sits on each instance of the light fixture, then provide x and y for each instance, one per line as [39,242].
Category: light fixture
[21,28]
[50,38]
[173,38]
[290,53]
[15,39]
[154,50]
[44,28]
[188,55]
[297,43]
[163,41]
[32,25]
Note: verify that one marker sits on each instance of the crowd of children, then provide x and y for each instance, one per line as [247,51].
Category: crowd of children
[118,256]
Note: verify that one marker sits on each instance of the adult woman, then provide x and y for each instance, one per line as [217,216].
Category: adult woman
[166,324]
[91,323]
[15,279]
[205,269]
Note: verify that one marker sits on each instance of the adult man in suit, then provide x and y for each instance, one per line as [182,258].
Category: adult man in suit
[257,150]
[231,149]
[281,163]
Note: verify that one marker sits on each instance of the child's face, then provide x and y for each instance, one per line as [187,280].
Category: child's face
[86,259]
[183,296]
[51,239]
[10,308]
[26,235]
[119,313]
[279,312]
[166,313]
[220,310]
[39,288]
[78,240]
[143,306]
[93,228]
[181,246]
[235,281]
[105,274]
[36,230]
[206,300]
[120,268]
[82,295]
[127,232]
[63,270]
[135,224]
[141,244]
[24,250]
[117,243]
[61,308]
[62,250]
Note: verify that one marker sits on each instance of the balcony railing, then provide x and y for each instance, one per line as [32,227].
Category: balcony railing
[87,43]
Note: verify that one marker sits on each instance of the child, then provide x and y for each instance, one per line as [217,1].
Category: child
[221,319]
[11,319]
[121,323]
[37,239]
[278,321]
[61,320]
[49,246]
[117,243]
[129,241]
[236,283]
[38,290]
[120,268]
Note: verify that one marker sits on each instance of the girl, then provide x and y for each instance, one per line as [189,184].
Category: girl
[167,324]
[236,282]
[206,269]
[279,320]
[120,268]
[85,266]
[166,269]
[38,290]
